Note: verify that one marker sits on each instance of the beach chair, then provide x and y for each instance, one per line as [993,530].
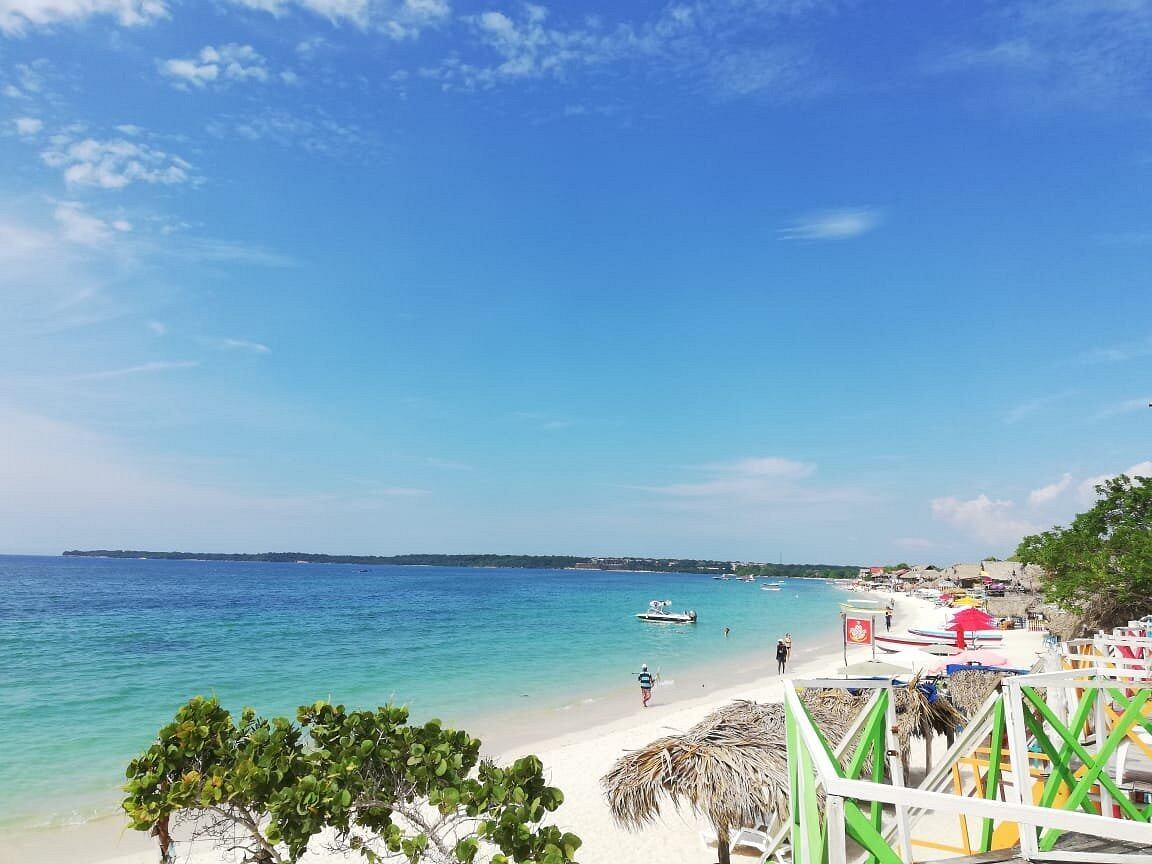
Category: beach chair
[758,840]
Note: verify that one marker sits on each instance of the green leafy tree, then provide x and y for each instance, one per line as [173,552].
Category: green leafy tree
[1101,564]
[369,780]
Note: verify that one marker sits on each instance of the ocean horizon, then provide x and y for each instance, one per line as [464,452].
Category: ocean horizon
[99,653]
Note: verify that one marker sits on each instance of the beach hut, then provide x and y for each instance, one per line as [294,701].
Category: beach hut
[731,768]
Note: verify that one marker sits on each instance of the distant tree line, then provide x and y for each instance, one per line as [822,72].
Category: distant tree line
[790,571]
[539,562]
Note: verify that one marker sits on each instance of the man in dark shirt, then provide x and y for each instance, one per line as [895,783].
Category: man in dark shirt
[646,681]
[781,655]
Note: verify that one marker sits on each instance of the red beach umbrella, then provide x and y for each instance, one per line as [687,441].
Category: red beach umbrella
[972,619]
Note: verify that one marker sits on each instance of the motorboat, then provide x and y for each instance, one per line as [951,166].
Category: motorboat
[657,612]
[770,587]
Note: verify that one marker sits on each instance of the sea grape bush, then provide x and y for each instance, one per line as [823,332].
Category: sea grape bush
[366,781]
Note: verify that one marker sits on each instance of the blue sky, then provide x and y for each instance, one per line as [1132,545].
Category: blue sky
[731,278]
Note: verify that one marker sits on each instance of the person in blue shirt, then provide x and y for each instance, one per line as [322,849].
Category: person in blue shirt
[646,681]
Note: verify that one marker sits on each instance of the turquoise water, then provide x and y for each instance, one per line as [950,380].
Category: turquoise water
[96,654]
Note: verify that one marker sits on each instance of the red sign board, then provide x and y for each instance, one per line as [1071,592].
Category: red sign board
[857,631]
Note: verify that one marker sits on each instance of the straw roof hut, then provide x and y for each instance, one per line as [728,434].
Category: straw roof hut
[732,768]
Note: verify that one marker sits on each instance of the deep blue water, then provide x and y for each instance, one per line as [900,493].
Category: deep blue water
[96,654]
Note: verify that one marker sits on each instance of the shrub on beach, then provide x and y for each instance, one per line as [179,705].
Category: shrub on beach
[369,780]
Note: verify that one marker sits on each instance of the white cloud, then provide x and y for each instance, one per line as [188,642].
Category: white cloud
[1128,406]
[79,226]
[1118,353]
[1049,493]
[757,478]
[840,224]
[400,19]
[113,163]
[1029,407]
[17,16]
[140,369]
[68,487]
[157,328]
[983,518]
[914,543]
[1086,491]
[320,133]
[244,345]
[1062,51]
[217,65]
[26,127]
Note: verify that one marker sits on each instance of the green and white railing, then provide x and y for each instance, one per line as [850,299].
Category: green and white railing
[1050,751]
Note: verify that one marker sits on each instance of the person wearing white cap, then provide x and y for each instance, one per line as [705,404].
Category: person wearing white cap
[646,682]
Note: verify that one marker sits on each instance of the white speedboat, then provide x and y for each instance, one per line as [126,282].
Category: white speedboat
[771,587]
[657,611]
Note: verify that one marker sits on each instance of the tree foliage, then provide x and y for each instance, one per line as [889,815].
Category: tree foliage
[1101,564]
[369,780]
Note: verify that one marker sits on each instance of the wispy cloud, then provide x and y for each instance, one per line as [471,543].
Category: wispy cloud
[319,132]
[447,464]
[157,328]
[140,369]
[842,224]
[757,479]
[77,225]
[1117,353]
[1128,406]
[398,19]
[18,16]
[244,345]
[1031,407]
[913,543]
[1061,51]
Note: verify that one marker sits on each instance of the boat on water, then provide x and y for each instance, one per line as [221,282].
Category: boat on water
[950,635]
[657,612]
[771,587]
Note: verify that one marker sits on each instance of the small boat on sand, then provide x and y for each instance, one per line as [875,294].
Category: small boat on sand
[950,635]
[893,644]
[657,612]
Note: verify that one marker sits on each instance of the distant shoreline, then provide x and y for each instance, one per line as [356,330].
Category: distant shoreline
[535,562]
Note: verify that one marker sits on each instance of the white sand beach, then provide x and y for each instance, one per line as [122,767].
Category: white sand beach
[575,762]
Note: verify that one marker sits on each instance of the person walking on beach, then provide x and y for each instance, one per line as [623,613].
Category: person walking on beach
[888,619]
[788,644]
[781,656]
[646,681]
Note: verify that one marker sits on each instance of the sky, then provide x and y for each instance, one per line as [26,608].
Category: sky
[840,282]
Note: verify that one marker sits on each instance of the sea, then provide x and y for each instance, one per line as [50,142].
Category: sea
[96,654]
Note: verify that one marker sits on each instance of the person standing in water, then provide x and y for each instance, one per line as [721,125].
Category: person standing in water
[646,681]
[781,656]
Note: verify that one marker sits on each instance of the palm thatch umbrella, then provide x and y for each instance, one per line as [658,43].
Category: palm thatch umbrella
[918,715]
[732,768]
[969,688]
